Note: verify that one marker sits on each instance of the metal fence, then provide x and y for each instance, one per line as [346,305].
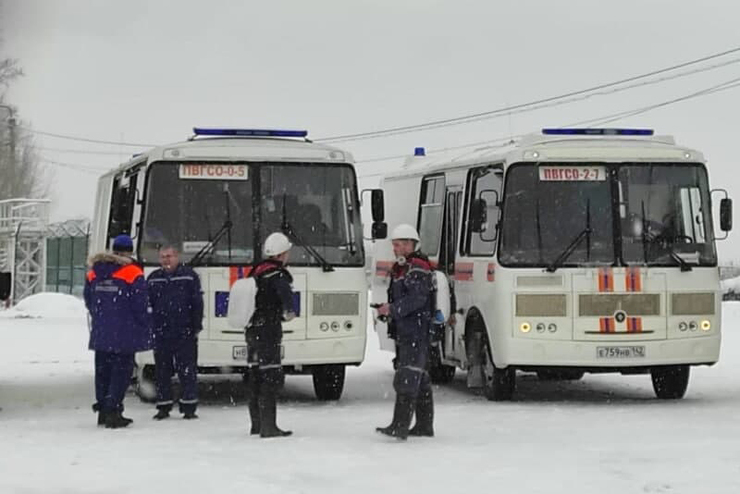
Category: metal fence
[66,256]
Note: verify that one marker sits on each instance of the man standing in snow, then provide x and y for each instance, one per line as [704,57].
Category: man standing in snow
[273,304]
[177,311]
[116,297]
[410,307]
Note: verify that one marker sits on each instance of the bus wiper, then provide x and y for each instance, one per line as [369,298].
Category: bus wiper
[225,229]
[585,233]
[649,239]
[288,230]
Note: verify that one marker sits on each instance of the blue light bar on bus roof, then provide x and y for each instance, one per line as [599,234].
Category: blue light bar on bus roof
[201,131]
[599,132]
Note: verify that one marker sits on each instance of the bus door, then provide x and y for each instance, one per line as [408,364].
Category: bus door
[448,253]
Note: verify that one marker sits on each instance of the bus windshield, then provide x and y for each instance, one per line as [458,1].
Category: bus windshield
[191,207]
[641,213]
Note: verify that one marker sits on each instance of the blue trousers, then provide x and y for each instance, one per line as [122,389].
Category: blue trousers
[177,355]
[412,376]
[112,378]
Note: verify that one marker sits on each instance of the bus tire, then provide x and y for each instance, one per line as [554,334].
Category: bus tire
[670,382]
[328,381]
[500,383]
[145,387]
[439,373]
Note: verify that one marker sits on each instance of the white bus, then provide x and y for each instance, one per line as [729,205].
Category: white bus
[571,251]
[217,197]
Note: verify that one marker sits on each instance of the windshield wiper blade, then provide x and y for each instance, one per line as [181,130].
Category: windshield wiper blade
[568,250]
[649,239]
[585,233]
[197,258]
[288,230]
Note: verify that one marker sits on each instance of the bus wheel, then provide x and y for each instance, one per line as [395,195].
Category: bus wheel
[439,372]
[328,381]
[670,382]
[500,383]
[559,375]
[145,387]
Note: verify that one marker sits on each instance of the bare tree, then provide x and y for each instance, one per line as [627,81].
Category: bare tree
[21,174]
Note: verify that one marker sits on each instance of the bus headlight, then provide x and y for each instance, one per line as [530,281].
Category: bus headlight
[525,327]
[706,325]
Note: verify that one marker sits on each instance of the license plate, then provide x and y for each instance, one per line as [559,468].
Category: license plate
[239,353]
[620,352]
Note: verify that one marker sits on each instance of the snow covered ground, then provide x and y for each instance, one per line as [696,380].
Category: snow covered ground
[604,434]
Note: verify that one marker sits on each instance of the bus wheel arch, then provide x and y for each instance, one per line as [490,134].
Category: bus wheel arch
[498,383]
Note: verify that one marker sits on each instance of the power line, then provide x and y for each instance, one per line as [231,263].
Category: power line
[80,151]
[85,139]
[729,84]
[509,109]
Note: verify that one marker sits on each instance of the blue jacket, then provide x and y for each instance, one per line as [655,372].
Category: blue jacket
[410,297]
[177,302]
[116,297]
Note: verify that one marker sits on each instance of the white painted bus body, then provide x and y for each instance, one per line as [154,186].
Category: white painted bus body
[330,330]
[535,320]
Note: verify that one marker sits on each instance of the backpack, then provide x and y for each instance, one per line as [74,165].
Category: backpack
[242,298]
[441,297]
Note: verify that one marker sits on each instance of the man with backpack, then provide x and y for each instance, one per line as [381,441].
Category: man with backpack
[177,310]
[410,308]
[273,304]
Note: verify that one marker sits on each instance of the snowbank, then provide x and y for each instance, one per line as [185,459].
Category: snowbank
[47,305]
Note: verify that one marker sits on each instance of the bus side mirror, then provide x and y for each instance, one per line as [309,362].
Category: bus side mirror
[377,205]
[478,215]
[379,230]
[5,285]
[725,214]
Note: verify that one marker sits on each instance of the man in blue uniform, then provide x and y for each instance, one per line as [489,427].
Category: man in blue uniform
[116,297]
[410,307]
[273,304]
[177,311]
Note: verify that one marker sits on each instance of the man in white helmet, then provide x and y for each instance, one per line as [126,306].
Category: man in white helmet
[274,303]
[410,308]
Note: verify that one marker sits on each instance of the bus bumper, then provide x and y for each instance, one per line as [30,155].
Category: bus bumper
[226,354]
[533,353]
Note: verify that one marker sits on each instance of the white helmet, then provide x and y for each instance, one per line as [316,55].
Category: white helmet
[405,232]
[276,244]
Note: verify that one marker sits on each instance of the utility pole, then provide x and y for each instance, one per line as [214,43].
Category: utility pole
[11,134]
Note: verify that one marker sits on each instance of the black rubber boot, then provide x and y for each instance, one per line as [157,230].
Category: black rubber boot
[114,420]
[163,412]
[402,412]
[188,410]
[268,413]
[424,416]
[101,418]
[254,415]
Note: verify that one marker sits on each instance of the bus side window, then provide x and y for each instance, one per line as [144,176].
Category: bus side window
[481,225]
[431,209]
[122,205]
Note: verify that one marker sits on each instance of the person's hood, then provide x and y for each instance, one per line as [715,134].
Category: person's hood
[105,264]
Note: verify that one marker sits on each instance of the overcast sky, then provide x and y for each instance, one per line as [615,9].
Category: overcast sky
[148,71]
